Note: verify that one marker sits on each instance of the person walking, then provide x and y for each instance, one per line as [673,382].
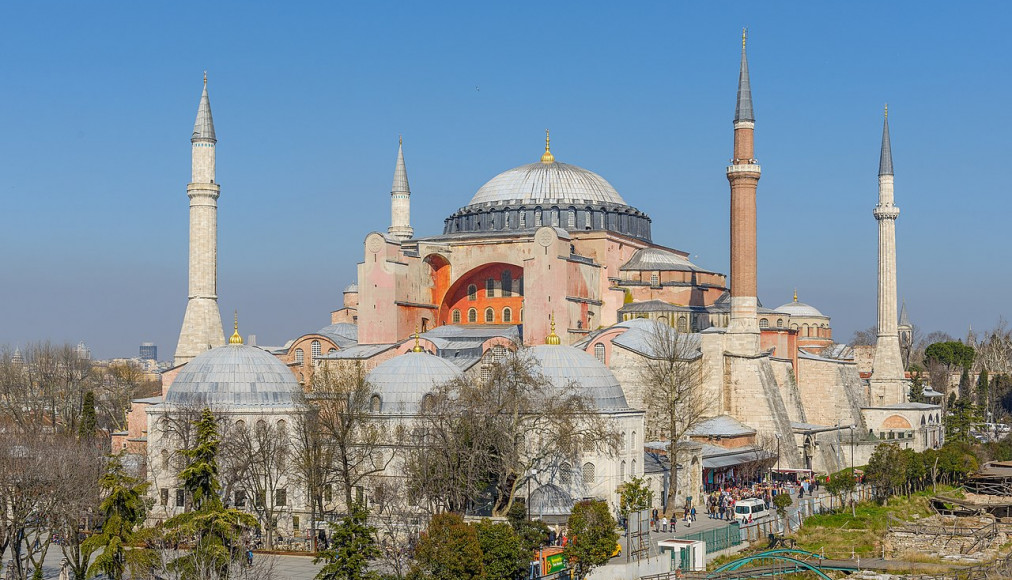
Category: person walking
[664,524]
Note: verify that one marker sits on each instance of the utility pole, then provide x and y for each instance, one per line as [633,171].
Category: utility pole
[853,508]
[778,451]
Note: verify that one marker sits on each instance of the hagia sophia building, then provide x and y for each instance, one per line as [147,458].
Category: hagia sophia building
[549,257]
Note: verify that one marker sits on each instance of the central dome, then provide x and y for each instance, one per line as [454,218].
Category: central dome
[547,182]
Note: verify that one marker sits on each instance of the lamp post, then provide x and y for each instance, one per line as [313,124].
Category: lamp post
[778,451]
[530,476]
[853,508]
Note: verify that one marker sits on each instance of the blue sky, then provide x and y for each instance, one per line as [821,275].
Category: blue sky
[98,102]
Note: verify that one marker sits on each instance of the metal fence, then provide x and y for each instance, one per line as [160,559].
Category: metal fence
[717,539]
[804,507]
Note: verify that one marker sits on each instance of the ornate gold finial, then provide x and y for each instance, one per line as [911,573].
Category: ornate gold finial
[235,338]
[553,338]
[205,78]
[887,110]
[400,139]
[547,156]
[744,35]
[417,347]
[795,294]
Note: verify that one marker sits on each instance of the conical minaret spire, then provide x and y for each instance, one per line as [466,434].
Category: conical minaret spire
[743,175]
[400,199]
[202,322]
[888,384]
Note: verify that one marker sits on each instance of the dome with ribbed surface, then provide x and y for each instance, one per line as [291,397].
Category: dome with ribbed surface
[234,376]
[547,183]
[565,365]
[401,382]
[799,309]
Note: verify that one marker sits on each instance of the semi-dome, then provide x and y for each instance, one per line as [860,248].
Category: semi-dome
[234,375]
[351,288]
[547,183]
[564,365]
[401,382]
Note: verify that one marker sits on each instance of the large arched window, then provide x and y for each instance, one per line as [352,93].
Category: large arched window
[507,283]
[455,316]
[490,288]
[316,348]
[764,323]
[489,315]
[565,475]
[472,315]
[375,403]
[498,353]
[589,473]
[599,351]
[683,324]
[507,315]
[300,357]
[472,292]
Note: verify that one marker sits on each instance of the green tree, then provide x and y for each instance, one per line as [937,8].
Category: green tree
[123,509]
[841,484]
[959,420]
[634,495]
[532,533]
[216,531]
[964,384]
[448,550]
[353,547]
[952,354]
[886,470]
[781,502]
[917,388]
[592,536]
[503,555]
[89,421]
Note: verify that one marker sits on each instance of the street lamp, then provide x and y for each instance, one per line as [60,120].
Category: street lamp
[853,508]
[778,451]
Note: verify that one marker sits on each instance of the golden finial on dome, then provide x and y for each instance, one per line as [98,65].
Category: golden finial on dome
[417,347]
[547,156]
[235,338]
[553,338]
[887,110]
[205,78]
[795,294]
[744,35]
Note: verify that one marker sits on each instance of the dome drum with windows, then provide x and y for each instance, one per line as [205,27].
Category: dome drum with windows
[548,193]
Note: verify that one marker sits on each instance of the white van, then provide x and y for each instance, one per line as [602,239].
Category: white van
[750,507]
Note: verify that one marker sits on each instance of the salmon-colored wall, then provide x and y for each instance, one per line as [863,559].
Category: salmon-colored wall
[457,298]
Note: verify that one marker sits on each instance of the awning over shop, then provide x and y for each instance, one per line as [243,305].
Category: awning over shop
[735,458]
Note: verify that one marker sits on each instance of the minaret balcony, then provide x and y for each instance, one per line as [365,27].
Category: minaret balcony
[744,168]
[890,212]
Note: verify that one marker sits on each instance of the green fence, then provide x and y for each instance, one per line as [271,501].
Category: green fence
[718,539]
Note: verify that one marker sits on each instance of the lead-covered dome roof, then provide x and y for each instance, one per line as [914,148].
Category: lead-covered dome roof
[401,382]
[796,308]
[234,376]
[565,365]
[548,183]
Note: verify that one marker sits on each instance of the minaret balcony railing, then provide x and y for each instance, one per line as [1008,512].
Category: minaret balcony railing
[744,168]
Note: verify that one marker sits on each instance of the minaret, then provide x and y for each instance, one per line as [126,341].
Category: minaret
[400,199]
[202,321]
[888,385]
[743,174]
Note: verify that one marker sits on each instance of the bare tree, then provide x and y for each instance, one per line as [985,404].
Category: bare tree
[865,337]
[674,375]
[994,353]
[313,462]
[397,525]
[483,436]
[263,451]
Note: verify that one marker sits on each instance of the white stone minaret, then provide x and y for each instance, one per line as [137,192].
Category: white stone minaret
[400,199]
[202,321]
[888,384]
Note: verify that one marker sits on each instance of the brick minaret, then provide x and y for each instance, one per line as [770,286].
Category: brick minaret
[888,385]
[202,321]
[400,199]
[743,174]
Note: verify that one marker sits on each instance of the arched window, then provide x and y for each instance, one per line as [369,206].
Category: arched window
[472,315]
[794,327]
[165,459]
[486,373]
[498,353]
[599,351]
[633,472]
[489,315]
[632,447]
[589,473]
[655,280]
[683,324]
[521,315]
[472,292]
[282,427]
[332,351]
[375,403]
[621,471]
[456,316]
[621,442]
[428,402]
[507,315]
[316,348]
[490,288]
[664,320]
[764,323]
[565,477]
[507,283]
[780,323]
[300,357]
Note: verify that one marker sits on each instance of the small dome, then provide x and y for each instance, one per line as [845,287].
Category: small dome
[541,182]
[234,375]
[656,259]
[343,334]
[551,500]
[563,365]
[402,381]
[800,309]
[351,288]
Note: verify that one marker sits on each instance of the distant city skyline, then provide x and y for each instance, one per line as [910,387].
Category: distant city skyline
[309,102]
